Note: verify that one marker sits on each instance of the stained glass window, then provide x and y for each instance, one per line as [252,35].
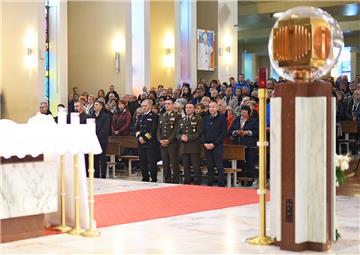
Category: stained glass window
[47,65]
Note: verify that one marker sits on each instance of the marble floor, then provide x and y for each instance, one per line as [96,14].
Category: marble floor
[212,232]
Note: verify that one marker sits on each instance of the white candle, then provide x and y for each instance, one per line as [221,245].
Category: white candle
[75,118]
[62,115]
[91,124]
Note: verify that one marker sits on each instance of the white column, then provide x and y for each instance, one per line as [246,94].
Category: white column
[179,47]
[193,44]
[128,48]
[140,25]
[40,53]
[185,42]
[227,39]
[1,56]
[58,54]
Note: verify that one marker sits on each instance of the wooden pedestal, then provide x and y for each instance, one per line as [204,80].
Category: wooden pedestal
[302,167]
[19,228]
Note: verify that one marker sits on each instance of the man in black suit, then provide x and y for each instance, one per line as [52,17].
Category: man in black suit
[79,107]
[213,135]
[102,122]
[44,108]
[245,130]
[148,146]
[112,90]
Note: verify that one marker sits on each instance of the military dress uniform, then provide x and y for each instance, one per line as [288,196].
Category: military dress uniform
[146,127]
[191,126]
[169,154]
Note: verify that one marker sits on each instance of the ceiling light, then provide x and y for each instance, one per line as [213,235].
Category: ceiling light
[277,15]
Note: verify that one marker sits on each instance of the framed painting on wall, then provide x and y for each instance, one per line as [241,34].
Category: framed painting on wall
[205,50]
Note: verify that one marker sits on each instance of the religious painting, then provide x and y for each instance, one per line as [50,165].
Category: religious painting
[206,52]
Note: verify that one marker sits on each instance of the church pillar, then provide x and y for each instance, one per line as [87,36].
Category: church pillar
[227,39]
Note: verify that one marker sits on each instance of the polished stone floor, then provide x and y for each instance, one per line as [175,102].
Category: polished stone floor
[212,232]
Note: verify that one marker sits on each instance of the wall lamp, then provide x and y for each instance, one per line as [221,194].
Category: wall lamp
[30,44]
[117,62]
[117,45]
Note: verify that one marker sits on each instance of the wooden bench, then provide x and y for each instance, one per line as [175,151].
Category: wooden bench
[112,150]
[125,142]
[233,153]
[347,128]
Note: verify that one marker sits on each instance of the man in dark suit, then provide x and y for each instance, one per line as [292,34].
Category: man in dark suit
[79,107]
[166,134]
[112,90]
[102,122]
[214,132]
[245,130]
[356,112]
[188,134]
[148,146]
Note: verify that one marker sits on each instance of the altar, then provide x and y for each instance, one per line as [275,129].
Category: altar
[30,174]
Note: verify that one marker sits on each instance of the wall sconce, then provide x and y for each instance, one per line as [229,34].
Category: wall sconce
[117,62]
[227,55]
[117,46]
[30,44]
[168,44]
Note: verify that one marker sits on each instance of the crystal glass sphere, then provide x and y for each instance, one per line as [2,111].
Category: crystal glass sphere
[305,43]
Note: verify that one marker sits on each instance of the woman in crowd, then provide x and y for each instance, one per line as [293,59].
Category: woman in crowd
[113,105]
[213,94]
[90,105]
[101,94]
[186,93]
[245,131]
[239,96]
[121,120]
[206,101]
[155,108]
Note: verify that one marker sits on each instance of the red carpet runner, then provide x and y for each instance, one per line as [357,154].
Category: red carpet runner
[132,206]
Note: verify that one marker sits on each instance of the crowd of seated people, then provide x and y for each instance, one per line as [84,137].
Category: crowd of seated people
[167,120]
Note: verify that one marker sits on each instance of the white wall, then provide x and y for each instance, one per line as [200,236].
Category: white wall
[227,37]
[23,88]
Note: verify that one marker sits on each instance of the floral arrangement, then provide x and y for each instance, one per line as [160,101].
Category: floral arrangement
[342,164]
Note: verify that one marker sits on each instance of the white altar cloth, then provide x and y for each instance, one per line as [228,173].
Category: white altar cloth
[41,135]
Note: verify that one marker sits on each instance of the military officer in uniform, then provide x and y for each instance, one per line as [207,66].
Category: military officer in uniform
[214,132]
[148,146]
[166,134]
[188,134]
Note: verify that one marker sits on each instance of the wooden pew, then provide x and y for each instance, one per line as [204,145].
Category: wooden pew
[116,145]
[347,128]
[233,153]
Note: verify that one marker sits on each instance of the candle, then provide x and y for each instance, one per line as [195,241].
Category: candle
[75,118]
[62,116]
[91,124]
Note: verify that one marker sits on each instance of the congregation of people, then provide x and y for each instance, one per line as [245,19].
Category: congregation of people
[175,125]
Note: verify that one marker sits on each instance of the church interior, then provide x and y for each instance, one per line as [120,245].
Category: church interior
[179,127]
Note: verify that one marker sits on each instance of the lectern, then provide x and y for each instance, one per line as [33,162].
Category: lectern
[304,45]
